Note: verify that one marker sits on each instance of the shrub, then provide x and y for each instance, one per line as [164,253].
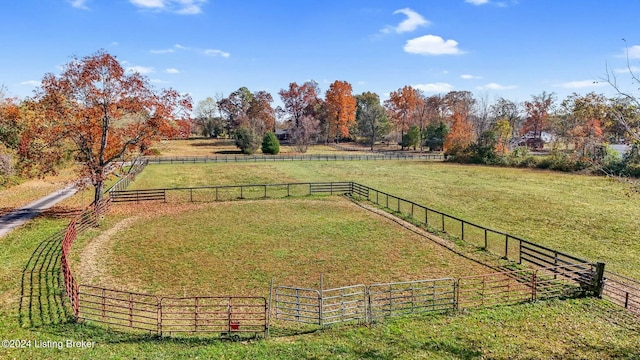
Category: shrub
[246,140]
[270,144]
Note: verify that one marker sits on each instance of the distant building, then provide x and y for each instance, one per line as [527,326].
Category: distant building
[282,134]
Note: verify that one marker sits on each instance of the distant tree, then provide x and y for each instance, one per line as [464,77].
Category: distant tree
[435,135]
[262,116]
[537,111]
[400,105]
[246,140]
[502,132]
[459,105]
[301,106]
[102,113]
[235,109]
[371,117]
[10,123]
[586,114]
[303,134]
[412,138]
[270,144]
[341,108]
[510,111]
[481,116]
[627,104]
[207,119]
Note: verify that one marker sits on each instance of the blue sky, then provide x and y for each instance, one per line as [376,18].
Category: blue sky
[508,48]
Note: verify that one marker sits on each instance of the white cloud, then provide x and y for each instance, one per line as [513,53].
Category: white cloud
[162,51]
[79,4]
[31,83]
[470,77]
[434,87]
[216,52]
[172,71]
[182,7]
[432,45]
[626,70]
[580,84]
[158,81]
[141,69]
[477,2]
[633,51]
[115,43]
[495,86]
[412,22]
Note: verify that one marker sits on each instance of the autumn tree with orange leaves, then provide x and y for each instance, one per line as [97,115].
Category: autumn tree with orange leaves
[401,105]
[104,114]
[341,109]
[459,104]
[537,118]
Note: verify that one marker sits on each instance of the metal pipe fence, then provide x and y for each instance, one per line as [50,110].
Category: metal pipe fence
[622,291]
[555,274]
[369,303]
[497,242]
[275,158]
[231,192]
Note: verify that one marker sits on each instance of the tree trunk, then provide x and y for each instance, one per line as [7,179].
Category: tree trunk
[99,188]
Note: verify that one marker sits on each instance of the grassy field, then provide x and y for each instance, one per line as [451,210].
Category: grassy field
[587,216]
[329,236]
[213,147]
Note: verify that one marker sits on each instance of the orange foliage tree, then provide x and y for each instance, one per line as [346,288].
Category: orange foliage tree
[537,117]
[341,108]
[400,105]
[104,114]
[460,136]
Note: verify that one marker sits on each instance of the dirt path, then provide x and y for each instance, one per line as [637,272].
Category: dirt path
[91,269]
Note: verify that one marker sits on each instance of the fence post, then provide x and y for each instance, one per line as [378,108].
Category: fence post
[534,283]
[266,331]
[506,247]
[598,285]
[321,305]
[159,302]
[486,242]
[462,229]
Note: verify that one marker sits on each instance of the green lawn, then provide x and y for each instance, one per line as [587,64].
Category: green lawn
[204,249]
[587,216]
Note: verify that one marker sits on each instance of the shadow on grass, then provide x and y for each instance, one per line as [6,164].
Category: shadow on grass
[42,296]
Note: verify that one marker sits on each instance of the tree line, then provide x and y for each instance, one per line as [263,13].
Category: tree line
[98,115]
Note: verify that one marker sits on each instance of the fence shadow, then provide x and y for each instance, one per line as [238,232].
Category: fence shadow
[42,297]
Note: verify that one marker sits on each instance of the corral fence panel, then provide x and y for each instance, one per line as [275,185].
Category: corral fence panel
[510,287]
[344,304]
[411,297]
[298,305]
[231,192]
[210,314]
[120,309]
[622,291]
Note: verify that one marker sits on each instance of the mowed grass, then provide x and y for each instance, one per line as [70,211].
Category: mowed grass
[238,247]
[586,216]
[572,329]
[222,147]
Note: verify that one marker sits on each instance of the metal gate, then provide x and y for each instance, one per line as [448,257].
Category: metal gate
[344,304]
[298,305]
[400,298]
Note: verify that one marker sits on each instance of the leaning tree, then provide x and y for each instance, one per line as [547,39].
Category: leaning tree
[105,115]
